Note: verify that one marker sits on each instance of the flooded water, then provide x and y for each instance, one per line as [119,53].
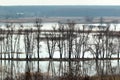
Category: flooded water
[47,69]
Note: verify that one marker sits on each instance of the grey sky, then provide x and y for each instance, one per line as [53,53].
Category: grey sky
[59,2]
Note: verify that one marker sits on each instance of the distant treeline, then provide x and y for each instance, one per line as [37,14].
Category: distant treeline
[58,11]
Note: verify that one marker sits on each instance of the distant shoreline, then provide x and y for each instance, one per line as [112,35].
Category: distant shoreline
[79,20]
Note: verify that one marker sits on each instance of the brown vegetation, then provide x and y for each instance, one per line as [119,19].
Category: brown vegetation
[40,76]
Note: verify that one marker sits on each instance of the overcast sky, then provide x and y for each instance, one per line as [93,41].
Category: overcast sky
[59,2]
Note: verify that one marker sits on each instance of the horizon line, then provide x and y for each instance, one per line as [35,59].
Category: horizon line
[60,5]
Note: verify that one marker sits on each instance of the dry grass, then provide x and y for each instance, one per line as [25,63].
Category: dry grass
[108,77]
[40,76]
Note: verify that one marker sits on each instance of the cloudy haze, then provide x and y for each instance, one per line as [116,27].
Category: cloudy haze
[59,2]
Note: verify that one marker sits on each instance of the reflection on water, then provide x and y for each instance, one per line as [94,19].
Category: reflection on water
[31,70]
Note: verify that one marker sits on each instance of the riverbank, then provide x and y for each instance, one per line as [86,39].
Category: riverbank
[80,20]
